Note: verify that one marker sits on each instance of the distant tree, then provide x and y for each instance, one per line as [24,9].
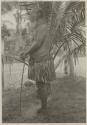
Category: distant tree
[4,31]
[4,34]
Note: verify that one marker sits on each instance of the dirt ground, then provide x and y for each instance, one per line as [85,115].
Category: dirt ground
[67,103]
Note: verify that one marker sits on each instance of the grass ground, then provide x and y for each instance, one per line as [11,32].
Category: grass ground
[67,103]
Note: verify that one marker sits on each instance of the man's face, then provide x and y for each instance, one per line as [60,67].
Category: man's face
[33,16]
[33,19]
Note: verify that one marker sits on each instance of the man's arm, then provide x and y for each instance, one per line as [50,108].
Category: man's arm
[33,47]
[30,50]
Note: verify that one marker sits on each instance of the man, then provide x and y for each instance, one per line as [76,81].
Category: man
[41,67]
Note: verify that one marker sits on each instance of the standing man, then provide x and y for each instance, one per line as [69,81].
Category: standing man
[41,67]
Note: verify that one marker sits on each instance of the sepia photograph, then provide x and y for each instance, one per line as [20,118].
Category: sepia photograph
[43,61]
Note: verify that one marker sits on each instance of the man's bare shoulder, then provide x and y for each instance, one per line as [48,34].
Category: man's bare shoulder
[43,27]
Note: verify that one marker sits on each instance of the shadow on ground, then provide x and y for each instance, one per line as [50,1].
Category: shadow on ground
[66,105]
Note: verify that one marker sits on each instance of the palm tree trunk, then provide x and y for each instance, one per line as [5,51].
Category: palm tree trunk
[70,59]
[65,66]
[71,65]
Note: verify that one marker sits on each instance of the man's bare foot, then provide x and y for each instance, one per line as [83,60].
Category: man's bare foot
[42,111]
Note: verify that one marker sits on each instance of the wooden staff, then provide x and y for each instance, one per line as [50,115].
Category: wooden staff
[24,63]
[21,88]
[17,58]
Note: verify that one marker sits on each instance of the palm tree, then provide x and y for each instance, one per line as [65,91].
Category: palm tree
[66,26]
[70,30]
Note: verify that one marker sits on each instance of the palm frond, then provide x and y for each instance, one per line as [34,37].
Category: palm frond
[58,15]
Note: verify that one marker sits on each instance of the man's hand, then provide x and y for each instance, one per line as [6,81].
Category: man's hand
[23,56]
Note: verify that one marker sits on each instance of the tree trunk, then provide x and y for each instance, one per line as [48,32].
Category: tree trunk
[2,73]
[70,61]
[2,58]
[65,66]
[71,66]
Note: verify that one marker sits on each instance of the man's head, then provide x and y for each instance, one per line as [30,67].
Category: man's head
[37,14]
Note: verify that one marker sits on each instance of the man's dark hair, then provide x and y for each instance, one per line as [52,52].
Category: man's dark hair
[40,14]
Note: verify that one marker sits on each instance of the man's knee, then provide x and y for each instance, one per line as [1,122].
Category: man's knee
[43,90]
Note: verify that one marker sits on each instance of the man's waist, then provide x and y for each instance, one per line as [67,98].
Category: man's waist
[40,58]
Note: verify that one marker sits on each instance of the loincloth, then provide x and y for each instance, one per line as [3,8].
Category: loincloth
[42,71]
